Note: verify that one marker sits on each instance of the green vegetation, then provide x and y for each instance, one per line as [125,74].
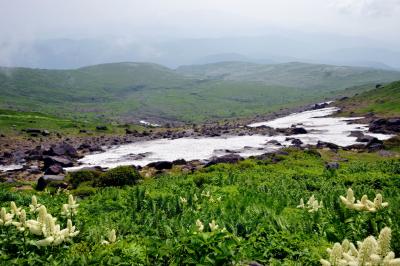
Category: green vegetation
[133,91]
[383,101]
[118,177]
[293,75]
[14,122]
[225,214]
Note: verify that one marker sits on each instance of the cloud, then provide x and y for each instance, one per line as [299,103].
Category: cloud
[370,8]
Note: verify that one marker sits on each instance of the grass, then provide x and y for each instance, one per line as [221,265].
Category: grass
[14,122]
[133,91]
[255,201]
[383,101]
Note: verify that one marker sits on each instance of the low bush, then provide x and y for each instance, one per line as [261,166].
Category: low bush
[76,178]
[119,176]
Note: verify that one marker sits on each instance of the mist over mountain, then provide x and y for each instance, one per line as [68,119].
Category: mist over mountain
[278,48]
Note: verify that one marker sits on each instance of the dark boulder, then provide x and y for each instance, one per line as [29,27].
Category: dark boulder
[179,162]
[101,128]
[229,158]
[296,142]
[62,149]
[47,179]
[332,166]
[274,142]
[33,131]
[52,160]
[366,138]
[386,126]
[161,165]
[356,133]
[131,132]
[323,144]
[319,106]
[54,169]
[298,130]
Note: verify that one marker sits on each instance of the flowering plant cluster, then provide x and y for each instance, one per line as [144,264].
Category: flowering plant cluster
[112,238]
[312,204]
[369,252]
[44,225]
[364,204]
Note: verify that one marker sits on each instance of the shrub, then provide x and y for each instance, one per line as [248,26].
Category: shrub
[76,178]
[84,191]
[120,176]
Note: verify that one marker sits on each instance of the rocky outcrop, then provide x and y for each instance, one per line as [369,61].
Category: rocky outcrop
[161,165]
[385,126]
[229,158]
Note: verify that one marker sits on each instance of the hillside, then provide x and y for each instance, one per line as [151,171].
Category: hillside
[135,91]
[299,75]
[382,101]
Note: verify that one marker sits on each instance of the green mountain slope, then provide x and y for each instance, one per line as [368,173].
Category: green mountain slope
[134,91]
[299,75]
[383,101]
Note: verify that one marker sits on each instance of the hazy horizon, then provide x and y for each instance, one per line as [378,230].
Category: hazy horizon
[60,34]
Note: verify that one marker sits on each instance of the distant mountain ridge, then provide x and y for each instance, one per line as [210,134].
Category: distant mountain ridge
[294,74]
[132,91]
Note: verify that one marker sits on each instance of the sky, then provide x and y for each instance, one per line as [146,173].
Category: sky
[24,21]
[27,19]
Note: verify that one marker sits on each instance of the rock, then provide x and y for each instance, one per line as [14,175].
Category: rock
[62,149]
[46,179]
[229,158]
[161,165]
[365,138]
[297,142]
[131,132]
[52,160]
[90,147]
[374,142]
[323,144]
[274,142]
[54,169]
[45,133]
[319,106]
[179,162]
[101,128]
[354,147]
[298,130]
[385,126]
[33,131]
[357,134]
[332,166]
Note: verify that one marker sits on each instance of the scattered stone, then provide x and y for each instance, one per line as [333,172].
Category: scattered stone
[161,165]
[274,142]
[179,162]
[356,133]
[101,128]
[323,144]
[332,166]
[297,142]
[46,179]
[298,130]
[62,149]
[55,169]
[229,158]
[52,160]
[385,126]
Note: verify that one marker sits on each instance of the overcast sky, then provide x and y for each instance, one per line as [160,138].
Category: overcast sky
[37,19]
